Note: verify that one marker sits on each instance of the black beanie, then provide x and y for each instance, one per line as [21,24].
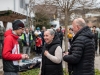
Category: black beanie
[17,24]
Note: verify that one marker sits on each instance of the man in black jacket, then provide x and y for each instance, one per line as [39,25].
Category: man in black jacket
[81,55]
[42,34]
[60,35]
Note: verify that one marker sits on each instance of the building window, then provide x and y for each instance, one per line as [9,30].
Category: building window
[22,4]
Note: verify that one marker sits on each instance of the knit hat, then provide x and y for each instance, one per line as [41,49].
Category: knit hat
[37,28]
[17,24]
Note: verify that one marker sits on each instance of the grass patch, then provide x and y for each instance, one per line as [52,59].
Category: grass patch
[97,72]
[36,72]
[31,72]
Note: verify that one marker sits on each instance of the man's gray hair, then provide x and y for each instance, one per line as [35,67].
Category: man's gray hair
[52,32]
[81,22]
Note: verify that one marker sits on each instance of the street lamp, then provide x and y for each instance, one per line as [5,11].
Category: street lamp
[27,3]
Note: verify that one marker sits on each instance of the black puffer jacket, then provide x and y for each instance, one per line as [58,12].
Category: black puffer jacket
[60,35]
[82,53]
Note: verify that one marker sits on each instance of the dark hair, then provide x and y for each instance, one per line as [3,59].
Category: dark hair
[94,26]
[70,29]
[52,26]
[17,24]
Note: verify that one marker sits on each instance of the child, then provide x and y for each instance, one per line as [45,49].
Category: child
[38,44]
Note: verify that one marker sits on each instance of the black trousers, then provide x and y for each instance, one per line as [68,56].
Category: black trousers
[70,41]
[61,41]
[38,50]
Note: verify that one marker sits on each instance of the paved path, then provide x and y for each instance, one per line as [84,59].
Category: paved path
[97,62]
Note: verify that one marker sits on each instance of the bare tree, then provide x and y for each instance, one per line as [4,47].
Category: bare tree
[41,6]
[30,9]
[46,10]
[85,6]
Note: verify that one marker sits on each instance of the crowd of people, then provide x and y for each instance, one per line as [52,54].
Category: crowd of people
[33,41]
[83,42]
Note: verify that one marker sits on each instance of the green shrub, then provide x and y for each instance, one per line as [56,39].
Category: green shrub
[31,72]
[36,72]
[97,72]
[64,71]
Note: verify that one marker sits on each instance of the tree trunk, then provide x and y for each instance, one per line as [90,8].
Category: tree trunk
[66,31]
[83,14]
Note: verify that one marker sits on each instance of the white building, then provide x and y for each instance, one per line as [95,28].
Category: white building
[95,14]
[55,23]
[18,9]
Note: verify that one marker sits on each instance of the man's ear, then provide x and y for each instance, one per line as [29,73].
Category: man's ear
[78,27]
[52,36]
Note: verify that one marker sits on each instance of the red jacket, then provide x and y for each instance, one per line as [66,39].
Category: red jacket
[38,42]
[11,47]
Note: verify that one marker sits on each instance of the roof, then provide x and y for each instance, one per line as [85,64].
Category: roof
[9,16]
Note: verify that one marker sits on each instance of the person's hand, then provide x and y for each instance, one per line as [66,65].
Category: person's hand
[39,46]
[27,44]
[25,56]
[66,53]
[46,52]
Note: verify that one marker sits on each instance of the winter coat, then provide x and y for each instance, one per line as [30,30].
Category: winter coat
[49,67]
[38,42]
[42,36]
[60,35]
[10,53]
[96,39]
[82,53]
